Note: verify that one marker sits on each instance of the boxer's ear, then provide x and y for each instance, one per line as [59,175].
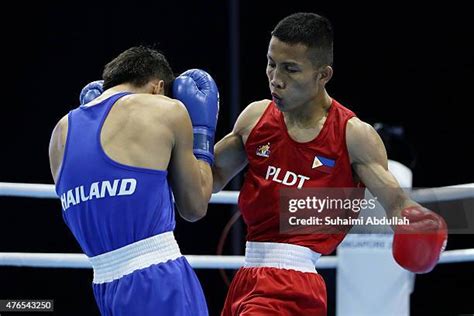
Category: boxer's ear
[158,87]
[324,74]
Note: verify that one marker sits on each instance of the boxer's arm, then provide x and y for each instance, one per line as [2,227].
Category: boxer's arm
[190,178]
[369,161]
[418,244]
[56,146]
[230,159]
[230,155]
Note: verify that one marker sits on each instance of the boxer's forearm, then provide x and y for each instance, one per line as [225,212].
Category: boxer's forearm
[206,181]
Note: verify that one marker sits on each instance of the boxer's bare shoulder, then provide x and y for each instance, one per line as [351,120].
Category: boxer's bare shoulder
[148,124]
[249,118]
[230,150]
[57,144]
[145,108]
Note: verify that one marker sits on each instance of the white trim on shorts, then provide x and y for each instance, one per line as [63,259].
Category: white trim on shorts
[117,263]
[281,256]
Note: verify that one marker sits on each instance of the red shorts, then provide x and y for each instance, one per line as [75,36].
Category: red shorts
[273,291]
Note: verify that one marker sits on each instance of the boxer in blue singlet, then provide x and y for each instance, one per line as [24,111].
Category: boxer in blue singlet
[116,161]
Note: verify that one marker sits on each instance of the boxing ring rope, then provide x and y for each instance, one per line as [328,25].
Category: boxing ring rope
[73,260]
[35,190]
[80,261]
[46,191]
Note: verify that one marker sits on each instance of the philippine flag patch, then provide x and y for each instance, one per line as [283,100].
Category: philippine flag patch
[323,164]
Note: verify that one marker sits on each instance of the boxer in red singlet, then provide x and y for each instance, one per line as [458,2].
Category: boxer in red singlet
[303,138]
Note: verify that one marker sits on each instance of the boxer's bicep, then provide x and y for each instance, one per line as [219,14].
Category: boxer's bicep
[366,152]
[230,159]
[369,160]
[230,154]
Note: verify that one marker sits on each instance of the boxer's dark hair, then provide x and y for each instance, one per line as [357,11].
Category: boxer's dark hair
[311,30]
[138,65]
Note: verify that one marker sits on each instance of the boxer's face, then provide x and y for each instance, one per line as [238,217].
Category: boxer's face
[293,78]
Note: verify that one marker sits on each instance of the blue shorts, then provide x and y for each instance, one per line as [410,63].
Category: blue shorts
[169,288]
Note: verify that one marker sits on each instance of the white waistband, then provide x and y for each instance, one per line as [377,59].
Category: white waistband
[117,263]
[280,255]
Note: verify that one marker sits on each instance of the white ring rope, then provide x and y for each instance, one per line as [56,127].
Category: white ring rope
[65,260]
[47,191]
[448,193]
[80,261]
[34,190]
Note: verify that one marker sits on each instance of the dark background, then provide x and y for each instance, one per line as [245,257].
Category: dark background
[395,63]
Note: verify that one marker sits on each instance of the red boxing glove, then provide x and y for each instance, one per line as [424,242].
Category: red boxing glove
[418,245]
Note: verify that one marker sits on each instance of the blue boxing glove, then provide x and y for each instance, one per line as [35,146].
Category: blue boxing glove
[91,91]
[199,93]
